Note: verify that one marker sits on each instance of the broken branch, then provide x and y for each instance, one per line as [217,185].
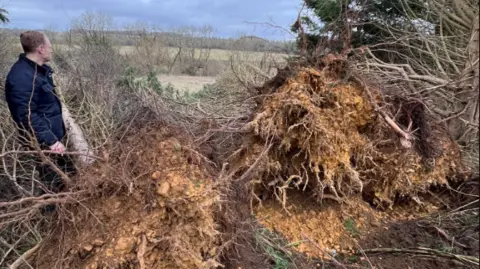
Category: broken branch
[406,136]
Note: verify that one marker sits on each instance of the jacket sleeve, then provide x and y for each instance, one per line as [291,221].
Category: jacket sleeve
[24,107]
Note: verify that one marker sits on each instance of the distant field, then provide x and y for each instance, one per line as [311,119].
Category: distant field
[216,54]
[186,83]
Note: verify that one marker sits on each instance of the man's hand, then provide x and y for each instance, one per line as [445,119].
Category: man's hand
[58,147]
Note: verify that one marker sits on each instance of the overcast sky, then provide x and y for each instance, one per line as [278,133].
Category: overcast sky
[228,17]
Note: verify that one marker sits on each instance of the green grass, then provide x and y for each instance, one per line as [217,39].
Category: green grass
[280,260]
[353,259]
[276,248]
[351,227]
[176,147]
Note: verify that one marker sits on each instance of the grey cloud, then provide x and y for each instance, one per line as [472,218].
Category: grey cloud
[228,17]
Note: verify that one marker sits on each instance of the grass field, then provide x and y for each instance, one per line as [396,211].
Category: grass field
[186,83]
[217,54]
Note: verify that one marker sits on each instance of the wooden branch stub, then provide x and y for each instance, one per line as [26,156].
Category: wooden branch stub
[406,137]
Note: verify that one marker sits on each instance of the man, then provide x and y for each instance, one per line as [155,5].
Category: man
[34,104]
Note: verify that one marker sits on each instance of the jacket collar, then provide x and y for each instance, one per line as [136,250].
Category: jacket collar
[43,68]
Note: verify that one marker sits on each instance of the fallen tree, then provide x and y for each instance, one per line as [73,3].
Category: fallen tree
[325,131]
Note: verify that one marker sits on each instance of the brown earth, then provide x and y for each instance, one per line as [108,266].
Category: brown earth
[344,230]
[163,219]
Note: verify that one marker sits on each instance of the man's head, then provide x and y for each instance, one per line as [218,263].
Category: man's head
[36,44]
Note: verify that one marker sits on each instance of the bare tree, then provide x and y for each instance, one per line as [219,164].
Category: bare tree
[149,47]
[93,28]
[194,47]
[180,45]
[198,43]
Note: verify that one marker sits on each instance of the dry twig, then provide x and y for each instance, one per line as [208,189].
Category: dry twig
[427,252]
[405,135]
[23,259]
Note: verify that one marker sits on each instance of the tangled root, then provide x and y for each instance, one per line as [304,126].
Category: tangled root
[325,138]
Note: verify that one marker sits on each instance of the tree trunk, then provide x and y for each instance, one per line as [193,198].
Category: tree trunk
[465,127]
[175,60]
[76,138]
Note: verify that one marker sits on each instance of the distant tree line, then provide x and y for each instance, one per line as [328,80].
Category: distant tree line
[193,37]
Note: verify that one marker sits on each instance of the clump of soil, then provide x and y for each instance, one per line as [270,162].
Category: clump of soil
[318,131]
[163,219]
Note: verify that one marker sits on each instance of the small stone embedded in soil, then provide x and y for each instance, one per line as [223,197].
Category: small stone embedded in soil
[92,266]
[98,242]
[125,245]
[88,247]
[163,189]
[156,175]
[150,234]
[136,230]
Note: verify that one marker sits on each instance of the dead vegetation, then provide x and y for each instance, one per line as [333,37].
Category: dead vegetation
[297,170]
[158,212]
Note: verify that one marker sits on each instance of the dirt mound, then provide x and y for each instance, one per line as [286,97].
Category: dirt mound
[164,219]
[318,131]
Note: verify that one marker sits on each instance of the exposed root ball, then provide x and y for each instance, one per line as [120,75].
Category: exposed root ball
[323,135]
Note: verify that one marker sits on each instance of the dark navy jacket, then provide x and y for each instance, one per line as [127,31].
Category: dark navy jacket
[45,107]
